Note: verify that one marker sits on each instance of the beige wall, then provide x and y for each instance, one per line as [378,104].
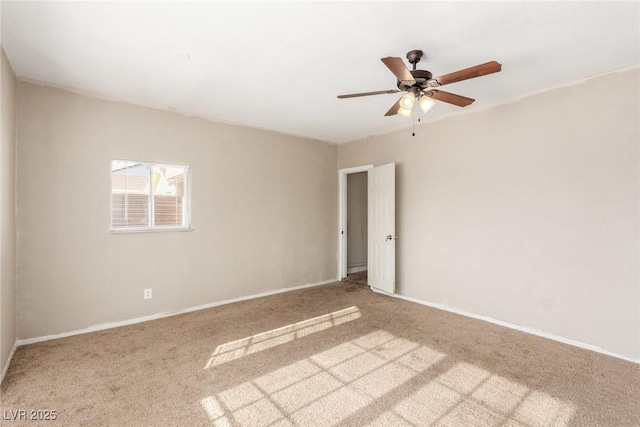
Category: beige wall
[357,219]
[527,213]
[7,211]
[264,211]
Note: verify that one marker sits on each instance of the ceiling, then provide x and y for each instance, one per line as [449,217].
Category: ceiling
[280,65]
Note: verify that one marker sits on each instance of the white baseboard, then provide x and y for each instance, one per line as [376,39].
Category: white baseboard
[356,269]
[525,329]
[110,325]
[6,365]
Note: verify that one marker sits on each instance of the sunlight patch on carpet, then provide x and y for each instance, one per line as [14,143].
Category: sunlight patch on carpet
[325,388]
[236,349]
[340,384]
[468,395]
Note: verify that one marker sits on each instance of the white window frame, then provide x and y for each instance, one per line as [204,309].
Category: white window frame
[186,206]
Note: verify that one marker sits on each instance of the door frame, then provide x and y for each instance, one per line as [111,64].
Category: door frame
[342,216]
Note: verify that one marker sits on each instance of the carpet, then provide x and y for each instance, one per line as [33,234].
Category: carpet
[322,356]
[359,279]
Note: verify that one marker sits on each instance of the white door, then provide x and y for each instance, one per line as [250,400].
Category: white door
[382,228]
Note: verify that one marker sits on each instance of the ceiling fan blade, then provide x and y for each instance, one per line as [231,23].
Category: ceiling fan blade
[469,73]
[451,98]
[378,92]
[397,67]
[393,110]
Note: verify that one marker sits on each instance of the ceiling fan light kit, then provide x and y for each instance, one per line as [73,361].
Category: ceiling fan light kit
[421,85]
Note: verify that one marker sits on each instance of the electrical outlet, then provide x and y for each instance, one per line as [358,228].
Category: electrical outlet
[147,294]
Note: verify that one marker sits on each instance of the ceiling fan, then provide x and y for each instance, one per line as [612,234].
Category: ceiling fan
[421,86]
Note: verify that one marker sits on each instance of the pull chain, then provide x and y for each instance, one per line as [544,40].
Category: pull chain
[413,124]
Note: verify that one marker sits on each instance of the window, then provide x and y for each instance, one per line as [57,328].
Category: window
[149,196]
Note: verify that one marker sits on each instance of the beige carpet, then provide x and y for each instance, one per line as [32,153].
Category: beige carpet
[359,279]
[330,355]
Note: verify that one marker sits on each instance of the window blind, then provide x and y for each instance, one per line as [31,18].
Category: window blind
[148,195]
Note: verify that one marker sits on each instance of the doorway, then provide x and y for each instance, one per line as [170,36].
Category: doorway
[357,226]
[353,239]
[381,229]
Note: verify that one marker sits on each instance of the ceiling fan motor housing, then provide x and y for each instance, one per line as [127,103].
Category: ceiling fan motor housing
[420,76]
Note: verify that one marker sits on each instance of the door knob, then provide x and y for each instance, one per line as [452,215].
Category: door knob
[390,237]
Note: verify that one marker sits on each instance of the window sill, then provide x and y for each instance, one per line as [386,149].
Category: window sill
[148,230]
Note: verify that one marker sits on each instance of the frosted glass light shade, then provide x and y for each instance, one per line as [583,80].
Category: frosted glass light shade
[426,103]
[405,112]
[408,100]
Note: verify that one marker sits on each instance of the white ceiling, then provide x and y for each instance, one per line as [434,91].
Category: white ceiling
[280,65]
